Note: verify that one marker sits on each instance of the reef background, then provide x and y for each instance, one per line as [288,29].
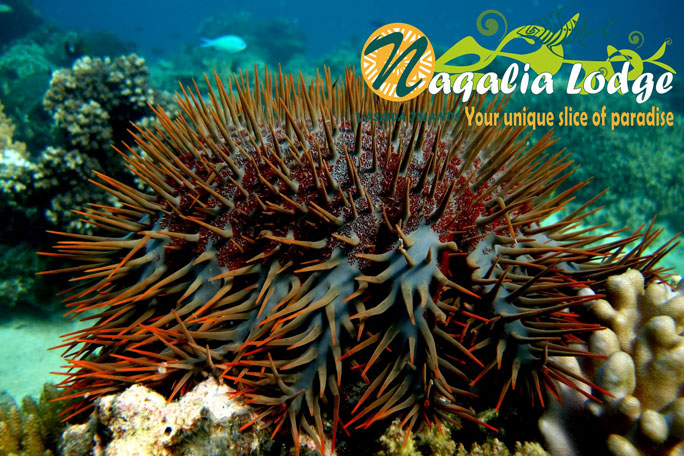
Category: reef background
[74,74]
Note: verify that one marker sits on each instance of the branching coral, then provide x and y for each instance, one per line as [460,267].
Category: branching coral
[7,144]
[62,175]
[496,448]
[641,381]
[396,441]
[54,183]
[93,104]
[94,101]
[35,428]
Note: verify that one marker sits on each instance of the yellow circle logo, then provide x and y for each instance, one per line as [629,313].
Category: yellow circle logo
[397,62]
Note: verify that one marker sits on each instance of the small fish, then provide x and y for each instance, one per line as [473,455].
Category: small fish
[4,8]
[69,48]
[226,43]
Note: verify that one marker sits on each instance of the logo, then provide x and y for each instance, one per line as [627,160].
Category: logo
[398,62]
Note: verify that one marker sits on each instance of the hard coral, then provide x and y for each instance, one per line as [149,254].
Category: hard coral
[396,441]
[289,245]
[94,101]
[641,409]
[16,166]
[32,429]
[92,104]
[496,448]
[7,144]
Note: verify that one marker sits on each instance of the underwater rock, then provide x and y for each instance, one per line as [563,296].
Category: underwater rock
[138,421]
[641,410]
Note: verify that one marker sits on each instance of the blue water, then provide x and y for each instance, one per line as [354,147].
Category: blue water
[167,24]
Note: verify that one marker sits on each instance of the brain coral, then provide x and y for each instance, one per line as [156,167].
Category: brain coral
[289,247]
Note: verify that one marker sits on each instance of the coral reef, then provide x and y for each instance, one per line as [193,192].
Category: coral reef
[16,166]
[94,101]
[437,442]
[638,164]
[35,428]
[640,380]
[285,246]
[19,284]
[23,59]
[92,105]
[137,421]
[26,66]
[14,151]
[24,75]
[64,175]
[210,420]
[49,186]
